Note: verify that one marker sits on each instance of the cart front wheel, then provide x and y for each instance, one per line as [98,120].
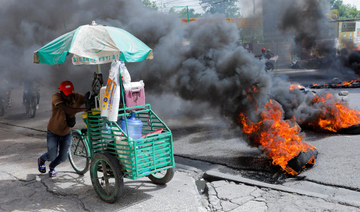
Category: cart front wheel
[106,177]
[162,177]
[79,154]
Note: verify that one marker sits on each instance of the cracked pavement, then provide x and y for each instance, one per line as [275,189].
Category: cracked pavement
[229,196]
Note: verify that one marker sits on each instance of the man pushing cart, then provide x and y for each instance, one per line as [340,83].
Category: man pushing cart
[120,140]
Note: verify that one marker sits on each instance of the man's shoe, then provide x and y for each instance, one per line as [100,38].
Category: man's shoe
[41,166]
[52,173]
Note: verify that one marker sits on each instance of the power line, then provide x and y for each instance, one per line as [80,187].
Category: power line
[196,6]
[190,4]
[189,1]
[177,2]
[181,2]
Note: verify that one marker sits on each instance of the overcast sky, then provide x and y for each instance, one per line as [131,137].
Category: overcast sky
[194,4]
[356,3]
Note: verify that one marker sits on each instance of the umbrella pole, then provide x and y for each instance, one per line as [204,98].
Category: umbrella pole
[96,85]
[98,69]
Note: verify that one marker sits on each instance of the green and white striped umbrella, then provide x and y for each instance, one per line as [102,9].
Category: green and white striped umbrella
[94,44]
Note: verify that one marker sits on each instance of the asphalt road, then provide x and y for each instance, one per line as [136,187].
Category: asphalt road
[23,188]
[337,169]
[236,176]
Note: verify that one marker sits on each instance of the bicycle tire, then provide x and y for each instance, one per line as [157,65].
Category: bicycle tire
[2,109]
[79,154]
[269,66]
[32,112]
[110,186]
[27,108]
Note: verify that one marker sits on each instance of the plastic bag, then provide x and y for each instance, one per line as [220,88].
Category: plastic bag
[125,75]
[111,99]
[134,85]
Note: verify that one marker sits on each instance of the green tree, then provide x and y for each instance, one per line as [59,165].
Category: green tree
[150,4]
[335,4]
[344,11]
[183,13]
[227,7]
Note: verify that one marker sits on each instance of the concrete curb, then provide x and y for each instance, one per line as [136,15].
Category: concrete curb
[213,175]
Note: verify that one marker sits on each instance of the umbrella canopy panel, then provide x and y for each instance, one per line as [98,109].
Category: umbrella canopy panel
[94,44]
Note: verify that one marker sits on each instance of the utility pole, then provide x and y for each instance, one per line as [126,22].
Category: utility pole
[253,7]
[187,11]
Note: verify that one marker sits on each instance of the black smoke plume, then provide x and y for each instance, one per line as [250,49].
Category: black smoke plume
[307,20]
[200,62]
[315,36]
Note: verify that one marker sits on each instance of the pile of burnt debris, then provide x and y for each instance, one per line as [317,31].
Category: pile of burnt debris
[338,84]
[262,169]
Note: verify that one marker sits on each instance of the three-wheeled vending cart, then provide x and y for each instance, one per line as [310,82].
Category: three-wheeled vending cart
[114,155]
[104,146]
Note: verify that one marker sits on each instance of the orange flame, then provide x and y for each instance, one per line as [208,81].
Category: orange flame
[335,115]
[344,83]
[348,82]
[295,86]
[279,139]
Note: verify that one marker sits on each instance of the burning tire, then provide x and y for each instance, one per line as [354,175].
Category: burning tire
[354,61]
[353,130]
[303,160]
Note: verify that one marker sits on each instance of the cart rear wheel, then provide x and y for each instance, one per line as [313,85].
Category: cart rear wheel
[162,177]
[106,177]
[79,154]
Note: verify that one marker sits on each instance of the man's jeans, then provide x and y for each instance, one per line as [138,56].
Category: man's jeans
[55,142]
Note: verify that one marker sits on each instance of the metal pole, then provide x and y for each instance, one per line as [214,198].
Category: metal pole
[98,69]
[187,10]
[254,7]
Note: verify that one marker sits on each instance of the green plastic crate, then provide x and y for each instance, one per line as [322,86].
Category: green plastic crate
[138,157]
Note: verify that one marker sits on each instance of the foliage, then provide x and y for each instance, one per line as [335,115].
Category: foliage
[150,4]
[344,11]
[335,4]
[184,13]
[227,7]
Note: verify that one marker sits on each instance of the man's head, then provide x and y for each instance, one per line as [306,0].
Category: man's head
[66,87]
[263,50]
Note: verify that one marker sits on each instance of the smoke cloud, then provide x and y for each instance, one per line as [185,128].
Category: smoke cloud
[307,20]
[199,62]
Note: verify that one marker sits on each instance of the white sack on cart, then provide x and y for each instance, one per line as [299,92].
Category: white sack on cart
[111,100]
[134,85]
[125,75]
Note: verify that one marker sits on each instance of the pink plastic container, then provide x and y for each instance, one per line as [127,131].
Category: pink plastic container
[135,97]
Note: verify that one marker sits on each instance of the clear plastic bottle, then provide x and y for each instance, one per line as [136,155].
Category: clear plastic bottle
[134,126]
